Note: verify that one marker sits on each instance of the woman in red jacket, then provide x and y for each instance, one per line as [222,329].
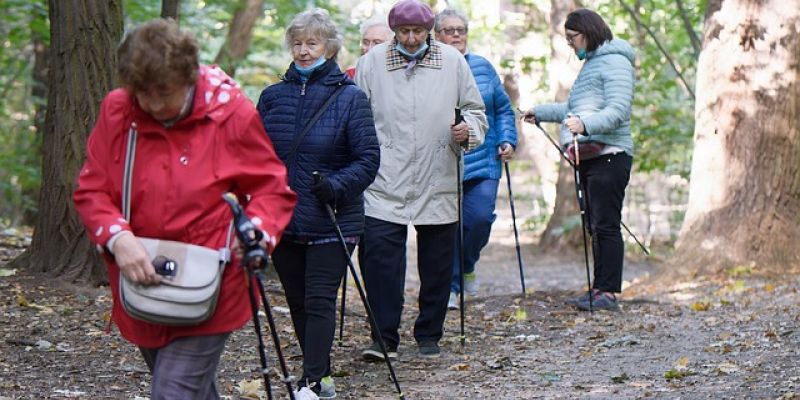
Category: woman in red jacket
[198,137]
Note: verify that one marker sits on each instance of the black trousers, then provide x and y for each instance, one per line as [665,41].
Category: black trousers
[604,180]
[311,275]
[384,257]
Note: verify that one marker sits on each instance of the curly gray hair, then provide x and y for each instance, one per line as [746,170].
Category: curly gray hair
[447,13]
[316,23]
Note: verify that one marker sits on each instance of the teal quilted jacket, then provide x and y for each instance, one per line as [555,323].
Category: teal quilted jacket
[601,96]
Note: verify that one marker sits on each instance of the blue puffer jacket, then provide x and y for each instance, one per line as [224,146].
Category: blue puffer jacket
[342,145]
[482,162]
[601,96]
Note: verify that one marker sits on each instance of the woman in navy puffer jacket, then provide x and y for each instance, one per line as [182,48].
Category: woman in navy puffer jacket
[598,115]
[343,147]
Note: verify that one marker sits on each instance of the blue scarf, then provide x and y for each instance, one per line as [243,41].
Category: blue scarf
[305,72]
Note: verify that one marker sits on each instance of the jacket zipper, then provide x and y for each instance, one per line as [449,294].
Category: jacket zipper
[303,89]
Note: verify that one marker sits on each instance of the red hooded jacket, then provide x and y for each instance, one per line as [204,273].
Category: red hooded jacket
[178,179]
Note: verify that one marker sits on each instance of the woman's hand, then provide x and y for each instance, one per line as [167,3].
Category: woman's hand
[505,151]
[575,125]
[133,261]
[529,116]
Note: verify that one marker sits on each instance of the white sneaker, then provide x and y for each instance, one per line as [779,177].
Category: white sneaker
[452,304]
[305,394]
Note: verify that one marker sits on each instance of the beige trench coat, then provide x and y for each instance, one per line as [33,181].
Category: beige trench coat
[413,110]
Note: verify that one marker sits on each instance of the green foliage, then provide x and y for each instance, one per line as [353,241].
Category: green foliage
[20,22]
[662,123]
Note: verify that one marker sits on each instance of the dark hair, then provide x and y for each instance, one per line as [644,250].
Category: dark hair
[155,54]
[591,25]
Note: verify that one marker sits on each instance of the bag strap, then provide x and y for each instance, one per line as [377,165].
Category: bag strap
[127,178]
[313,120]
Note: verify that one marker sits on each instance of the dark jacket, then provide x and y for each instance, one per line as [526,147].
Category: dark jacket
[483,163]
[341,145]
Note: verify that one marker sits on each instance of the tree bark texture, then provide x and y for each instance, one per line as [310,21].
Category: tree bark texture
[560,235]
[744,192]
[171,9]
[83,39]
[237,43]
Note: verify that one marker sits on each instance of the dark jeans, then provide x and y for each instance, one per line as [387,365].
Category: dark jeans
[478,209]
[604,180]
[384,258]
[186,368]
[311,275]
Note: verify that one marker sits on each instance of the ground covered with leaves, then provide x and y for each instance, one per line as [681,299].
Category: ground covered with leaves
[734,336]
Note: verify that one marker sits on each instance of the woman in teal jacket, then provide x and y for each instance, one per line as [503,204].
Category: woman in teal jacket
[598,113]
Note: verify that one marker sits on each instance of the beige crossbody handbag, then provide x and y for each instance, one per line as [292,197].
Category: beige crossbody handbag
[193,274]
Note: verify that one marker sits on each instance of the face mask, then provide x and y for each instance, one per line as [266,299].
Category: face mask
[414,55]
[306,71]
[581,54]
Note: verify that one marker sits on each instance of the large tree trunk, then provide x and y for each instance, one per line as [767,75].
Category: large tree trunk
[237,43]
[560,234]
[744,193]
[83,38]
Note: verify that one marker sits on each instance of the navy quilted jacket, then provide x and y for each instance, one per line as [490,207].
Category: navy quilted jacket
[342,145]
[482,163]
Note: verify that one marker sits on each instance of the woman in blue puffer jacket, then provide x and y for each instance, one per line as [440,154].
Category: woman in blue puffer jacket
[598,113]
[343,147]
[483,165]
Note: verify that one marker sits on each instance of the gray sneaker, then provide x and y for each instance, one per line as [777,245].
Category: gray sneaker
[374,353]
[471,284]
[600,301]
[327,389]
[429,349]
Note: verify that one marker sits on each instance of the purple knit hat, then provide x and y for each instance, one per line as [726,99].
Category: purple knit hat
[410,12]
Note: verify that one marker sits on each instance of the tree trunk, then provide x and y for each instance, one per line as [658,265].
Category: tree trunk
[560,234]
[744,191]
[237,43]
[171,9]
[83,38]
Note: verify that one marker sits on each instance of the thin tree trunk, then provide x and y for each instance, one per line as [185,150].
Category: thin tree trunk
[83,39]
[559,235]
[237,43]
[745,182]
[687,25]
[171,9]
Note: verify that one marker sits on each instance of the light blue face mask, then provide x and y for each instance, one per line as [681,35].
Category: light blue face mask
[306,71]
[414,55]
[581,54]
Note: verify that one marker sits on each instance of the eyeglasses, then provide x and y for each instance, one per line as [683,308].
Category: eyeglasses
[451,31]
[571,38]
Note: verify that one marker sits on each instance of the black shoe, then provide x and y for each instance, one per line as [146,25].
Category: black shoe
[429,349]
[374,353]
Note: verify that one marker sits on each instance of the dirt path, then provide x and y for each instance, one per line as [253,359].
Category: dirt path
[737,336]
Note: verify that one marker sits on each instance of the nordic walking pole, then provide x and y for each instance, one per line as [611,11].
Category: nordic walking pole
[373,323]
[514,222]
[255,261]
[341,310]
[460,185]
[582,205]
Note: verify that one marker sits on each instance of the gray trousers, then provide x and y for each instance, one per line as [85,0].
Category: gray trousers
[186,368]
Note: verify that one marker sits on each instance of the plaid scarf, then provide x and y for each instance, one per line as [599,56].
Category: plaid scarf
[396,60]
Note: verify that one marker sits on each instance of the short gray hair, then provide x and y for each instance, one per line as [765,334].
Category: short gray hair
[375,20]
[447,13]
[315,23]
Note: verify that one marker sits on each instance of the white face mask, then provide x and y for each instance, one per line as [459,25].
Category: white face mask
[414,55]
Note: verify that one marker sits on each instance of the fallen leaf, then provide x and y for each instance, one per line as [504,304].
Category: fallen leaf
[22,301]
[249,389]
[7,272]
[701,306]
[683,361]
[459,367]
